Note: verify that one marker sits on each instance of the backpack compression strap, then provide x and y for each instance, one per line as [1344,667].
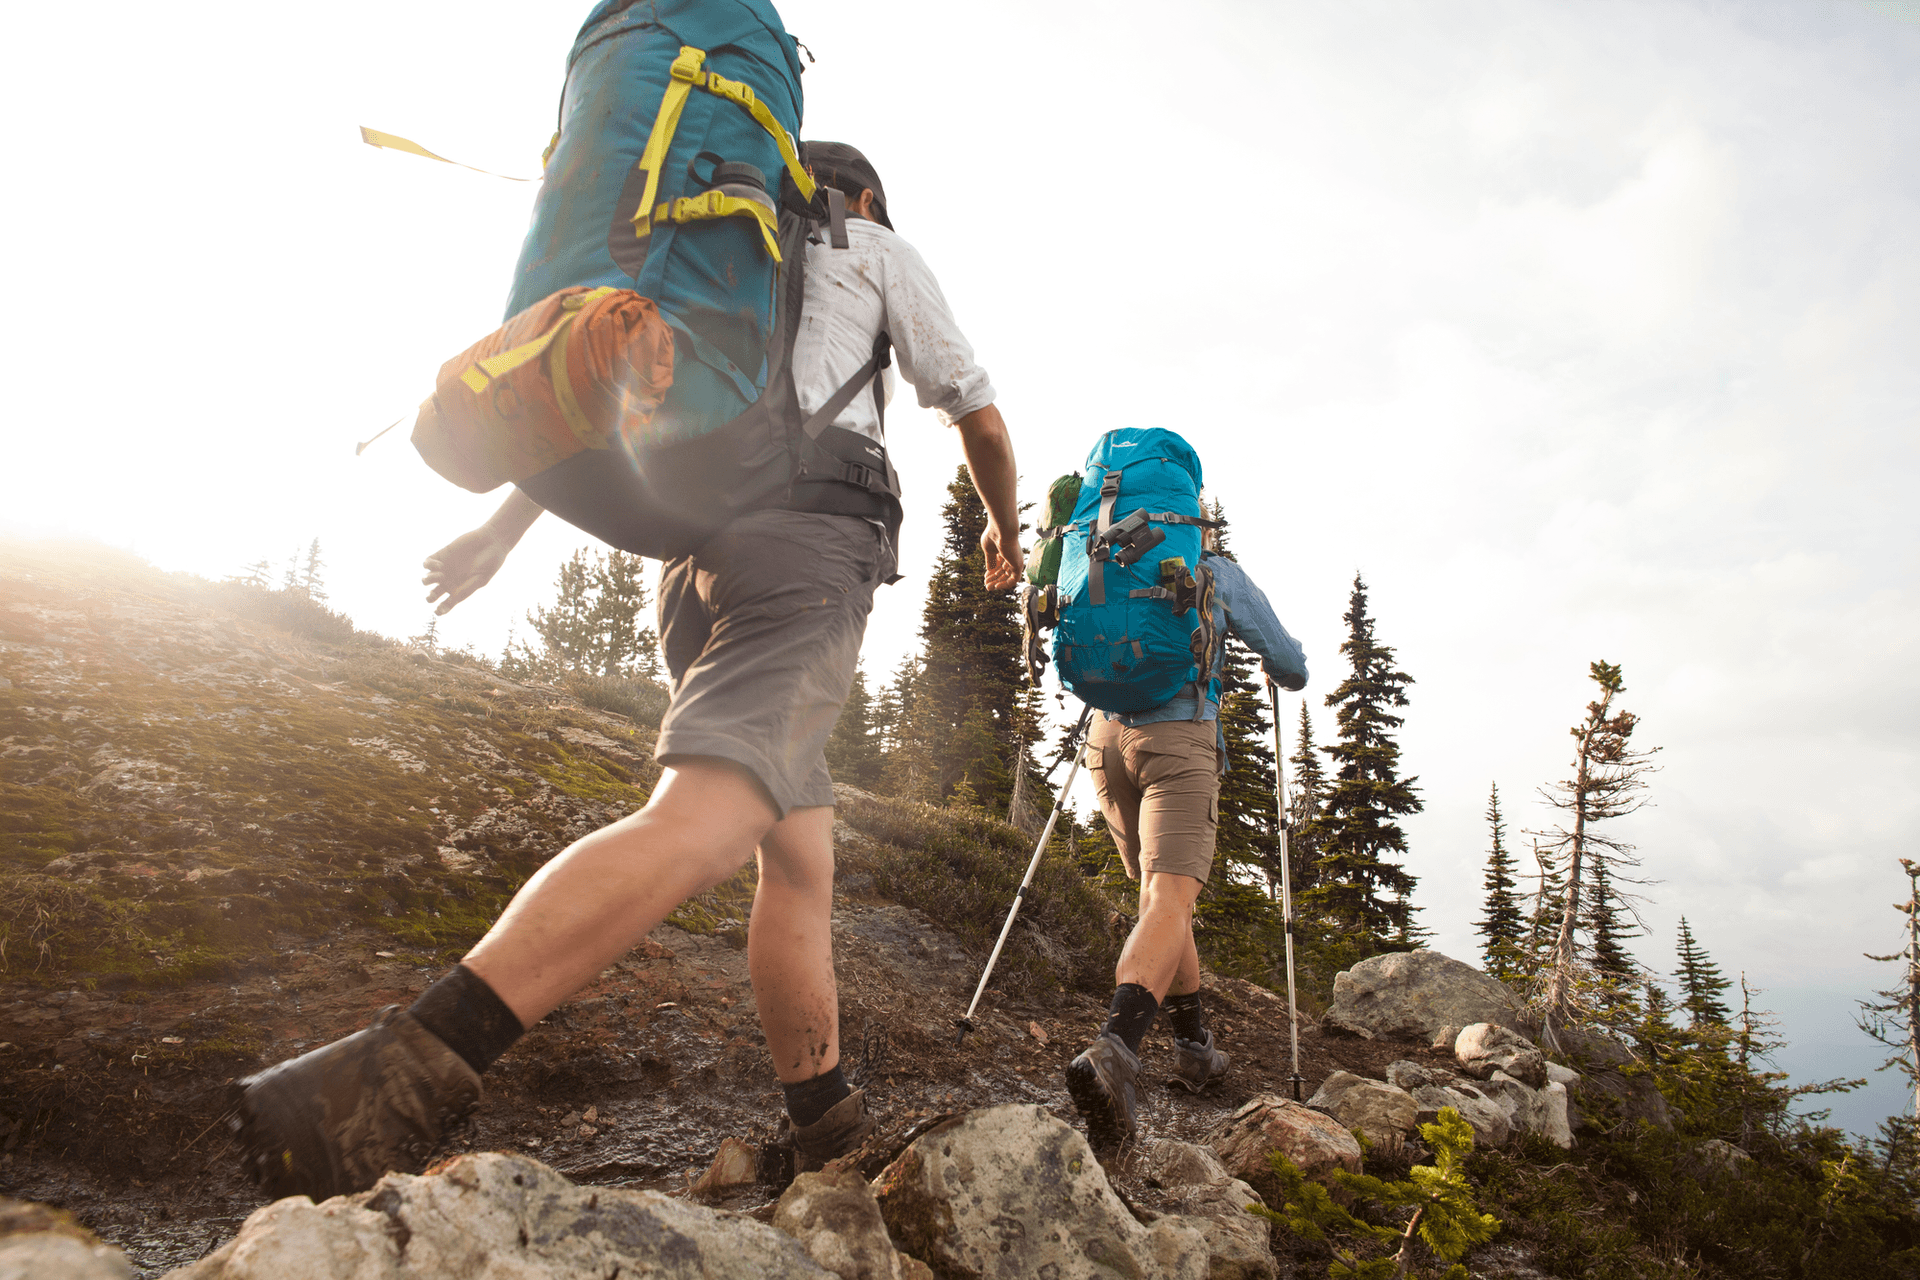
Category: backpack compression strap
[685,75]
[1097,549]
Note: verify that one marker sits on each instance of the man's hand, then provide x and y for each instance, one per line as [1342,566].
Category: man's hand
[464,565]
[469,562]
[989,450]
[1005,560]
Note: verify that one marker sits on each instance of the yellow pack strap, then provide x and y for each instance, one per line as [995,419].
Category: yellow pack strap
[481,373]
[394,142]
[718,204]
[685,74]
[682,76]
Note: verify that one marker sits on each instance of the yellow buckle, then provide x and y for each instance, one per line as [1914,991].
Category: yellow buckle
[687,65]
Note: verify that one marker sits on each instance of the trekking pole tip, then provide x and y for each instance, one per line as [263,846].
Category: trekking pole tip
[965,1025]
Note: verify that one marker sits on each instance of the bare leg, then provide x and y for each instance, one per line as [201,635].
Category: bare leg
[790,946]
[1160,954]
[589,906]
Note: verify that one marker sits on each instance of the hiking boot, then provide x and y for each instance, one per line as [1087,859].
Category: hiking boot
[837,1133]
[1102,1082]
[1197,1064]
[335,1120]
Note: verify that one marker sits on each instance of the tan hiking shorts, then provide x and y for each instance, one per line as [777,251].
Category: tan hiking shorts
[761,628]
[1159,788]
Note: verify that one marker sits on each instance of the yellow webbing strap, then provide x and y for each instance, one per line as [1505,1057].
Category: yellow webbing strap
[682,76]
[738,92]
[685,73]
[481,373]
[394,142]
[718,204]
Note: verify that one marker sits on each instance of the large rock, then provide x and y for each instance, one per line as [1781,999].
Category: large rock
[1529,1110]
[1491,1128]
[836,1219]
[1607,1094]
[1010,1191]
[1487,1047]
[38,1243]
[1208,1198]
[1717,1158]
[1379,1110]
[505,1216]
[1316,1143]
[1412,995]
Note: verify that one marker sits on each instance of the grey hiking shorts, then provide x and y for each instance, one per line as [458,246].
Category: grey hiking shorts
[761,629]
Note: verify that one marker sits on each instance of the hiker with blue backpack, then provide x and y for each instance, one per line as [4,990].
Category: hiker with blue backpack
[685,373]
[1140,604]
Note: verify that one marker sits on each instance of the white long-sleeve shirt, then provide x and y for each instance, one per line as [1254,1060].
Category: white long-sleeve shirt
[880,282]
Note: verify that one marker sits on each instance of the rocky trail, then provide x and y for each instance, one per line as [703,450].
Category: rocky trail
[231,828]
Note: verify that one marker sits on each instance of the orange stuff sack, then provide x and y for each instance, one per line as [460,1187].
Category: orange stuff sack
[580,369]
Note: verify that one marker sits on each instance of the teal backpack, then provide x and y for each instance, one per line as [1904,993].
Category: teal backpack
[1132,610]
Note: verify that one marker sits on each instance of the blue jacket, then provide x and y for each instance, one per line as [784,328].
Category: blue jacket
[1239,608]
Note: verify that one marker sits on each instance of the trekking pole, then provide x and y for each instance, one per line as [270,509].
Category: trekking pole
[1286,880]
[965,1022]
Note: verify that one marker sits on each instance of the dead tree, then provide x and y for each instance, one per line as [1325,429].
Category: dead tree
[1609,777]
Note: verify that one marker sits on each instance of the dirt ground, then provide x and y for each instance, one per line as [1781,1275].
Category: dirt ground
[119,1114]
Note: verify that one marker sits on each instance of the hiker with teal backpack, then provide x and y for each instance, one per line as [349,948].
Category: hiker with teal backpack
[761,479]
[1140,609]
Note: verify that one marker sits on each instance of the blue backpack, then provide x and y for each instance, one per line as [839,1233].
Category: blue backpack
[1133,608]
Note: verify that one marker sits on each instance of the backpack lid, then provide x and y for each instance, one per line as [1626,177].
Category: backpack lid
[1124,445]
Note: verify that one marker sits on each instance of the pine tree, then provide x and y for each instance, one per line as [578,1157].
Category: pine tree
[310,573]
[1608,779]
[971,676]
[1361,888]
[1305,800]
[593,627]
[1608,931]
[1700,984]
[907,764]
[1248,838]
[853,748]
[1504,923]
[1894,1019]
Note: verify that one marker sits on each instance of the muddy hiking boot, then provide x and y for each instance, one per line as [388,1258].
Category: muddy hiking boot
[1197,1064]
[1103,1082]
[335,1120]
[837,1133]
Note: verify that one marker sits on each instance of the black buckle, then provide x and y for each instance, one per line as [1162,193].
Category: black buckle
[863,476]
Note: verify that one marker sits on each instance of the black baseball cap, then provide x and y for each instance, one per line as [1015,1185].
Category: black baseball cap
[835,164]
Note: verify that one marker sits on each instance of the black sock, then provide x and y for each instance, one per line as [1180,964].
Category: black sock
[464,1012]
[1132,1013]
[1184,1013]
[811,1099]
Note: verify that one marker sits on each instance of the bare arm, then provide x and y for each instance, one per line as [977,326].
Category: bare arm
[469,562]
[989,450]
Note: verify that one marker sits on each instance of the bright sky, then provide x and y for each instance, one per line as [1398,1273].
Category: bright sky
[1583,330]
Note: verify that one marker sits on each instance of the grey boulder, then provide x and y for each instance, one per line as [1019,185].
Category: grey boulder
[499,1215]
[1486,1047]
[1413,995]
[1491,1128]
[1317,1144]
[837,1221]
[1011,1191]
[1379,1110]
[1217,1204]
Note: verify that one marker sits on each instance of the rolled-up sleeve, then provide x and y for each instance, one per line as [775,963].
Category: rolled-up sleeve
[1252,619]
[933,354]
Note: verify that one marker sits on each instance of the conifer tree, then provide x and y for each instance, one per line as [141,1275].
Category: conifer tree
[907,763]
[1608,931]
[970,680]
[1608,779]
[593,627]
[1362,888]
[1894,1019]
[1700,984]
[1248,840]
[853,748]
[310,574]
[1503,924]
[1305,800]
